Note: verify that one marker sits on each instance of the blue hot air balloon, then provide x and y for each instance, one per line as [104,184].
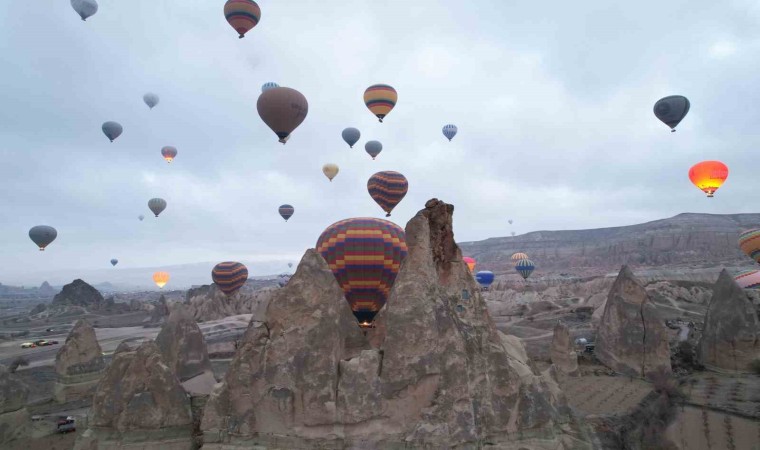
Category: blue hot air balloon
[525,267]
[484,278]
[450,131]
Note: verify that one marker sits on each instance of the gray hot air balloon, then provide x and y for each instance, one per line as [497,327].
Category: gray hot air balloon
[114,262]
[85,8]
[151,99]
[373,148]
[141,217]
[671,110]
[112,130]
[157,205]
[351,136]
[42,235]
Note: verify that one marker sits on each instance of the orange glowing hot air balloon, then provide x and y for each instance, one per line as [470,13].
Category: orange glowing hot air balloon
[470,263]
[161,278]
[708,176]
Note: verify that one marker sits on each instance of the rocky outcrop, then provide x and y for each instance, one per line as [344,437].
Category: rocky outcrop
[632,339]
[79,293]
[139,403]
[14,417]
[184,350]
[158,314]
[562,351]
[731,335]
[78,364]
[209,303]
[46,290]
[434,373]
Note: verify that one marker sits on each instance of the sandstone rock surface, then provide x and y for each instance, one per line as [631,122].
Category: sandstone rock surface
[632,339]
[434,373]
[78,364]
[79,293]
[731,335]
[562,351]
[14,417]
[209,303]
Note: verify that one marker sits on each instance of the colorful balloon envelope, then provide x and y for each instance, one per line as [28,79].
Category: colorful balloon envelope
[525,267]
[351,136]
[161,278]
[151,99]
[484,278]
[749,242]
[330,170]
[708,176]
[365,255]
[169,153]
[157,205]
[380,99]
[373,148]
[470,262]
[114,262]
[242,15]
[269,85]
[671,110]
[286,211]
[283,110]
[450,131]
[112,130]
[387,188]
[749,279]
[42,235]
[519,256]
[230,276]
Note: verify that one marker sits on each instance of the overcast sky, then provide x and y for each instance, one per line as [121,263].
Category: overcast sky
[553,101]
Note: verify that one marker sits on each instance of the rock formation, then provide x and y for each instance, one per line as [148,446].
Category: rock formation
[79,364]
[209,303]
[45,290]
[79,293]
[563,352]
[731,335]
[632,339]
[184,350]
[434,373]
[158,314]
[14,418]
[139,404]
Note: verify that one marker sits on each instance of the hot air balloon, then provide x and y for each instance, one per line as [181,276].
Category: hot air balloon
[286,211]
[229,276]
[749,279]
[161,278]
[268,85]
[365,255]
[151,99]
[708,176]
[112,130]
[282,109]
[450,131]
[157,205]
[330,170]
[525,267]
[169,153]
[373,148]
[513,233]
[85,8]
[519,256]
[42,235]
[749,242]
[141,217]
[380,99]
[283,279]
[510,221]
[484,278]
[114,262]
[290,265]
[242,15]
[351,136]
[387,188]
[671,110]
[470,263]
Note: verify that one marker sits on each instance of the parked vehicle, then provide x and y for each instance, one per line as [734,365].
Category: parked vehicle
[28,345]
[66,425]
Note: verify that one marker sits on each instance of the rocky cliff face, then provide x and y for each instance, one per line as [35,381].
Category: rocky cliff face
[139,401]
[632,339]
[209,303]
[78,364]
[79,293]
[14,418]
[45,290]
[731,335]
[434,373]
[685,238]
[562,351]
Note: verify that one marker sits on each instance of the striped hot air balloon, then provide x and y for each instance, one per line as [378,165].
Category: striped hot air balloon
[286,211]
[749,242]
[229,276]
[749,279]
[484,278]
[365,255]
[525,267]
[380,99]
[242,15]
[161,278]
[268,85]
[519,256]
[450,131]
[387,188]
[470,263]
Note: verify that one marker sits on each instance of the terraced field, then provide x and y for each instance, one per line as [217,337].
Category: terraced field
[604,395]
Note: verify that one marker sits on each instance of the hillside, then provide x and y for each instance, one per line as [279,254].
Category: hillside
[688,239]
